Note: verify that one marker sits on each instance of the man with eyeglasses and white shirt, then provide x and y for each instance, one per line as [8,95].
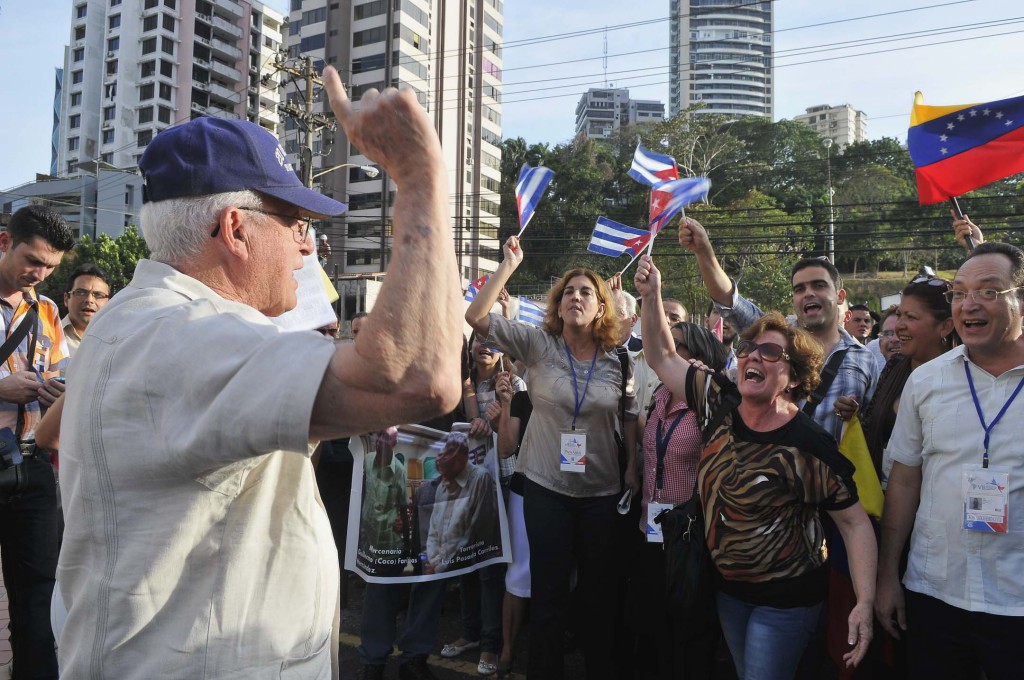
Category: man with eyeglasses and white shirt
[87,292]
[197,545]
[957,479]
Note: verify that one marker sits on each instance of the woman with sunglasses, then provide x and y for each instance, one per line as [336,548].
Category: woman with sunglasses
[569,456]
[766,472]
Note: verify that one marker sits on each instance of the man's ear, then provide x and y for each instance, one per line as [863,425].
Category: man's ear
[234,233]
[841,296]
[5,242]
[847,317]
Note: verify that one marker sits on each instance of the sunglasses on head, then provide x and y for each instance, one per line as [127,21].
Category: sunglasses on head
[930,280]
[769,351]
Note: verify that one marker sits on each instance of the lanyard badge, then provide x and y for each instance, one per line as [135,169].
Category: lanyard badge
[573,446]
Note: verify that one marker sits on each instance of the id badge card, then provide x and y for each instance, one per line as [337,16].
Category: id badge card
[654,534]
[573,451]
[986,498]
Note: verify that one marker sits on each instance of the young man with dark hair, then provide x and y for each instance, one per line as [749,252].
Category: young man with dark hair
[30,249]
[859,321]
[87,292]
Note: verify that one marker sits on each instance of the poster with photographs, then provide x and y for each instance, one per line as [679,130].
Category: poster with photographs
[426,506]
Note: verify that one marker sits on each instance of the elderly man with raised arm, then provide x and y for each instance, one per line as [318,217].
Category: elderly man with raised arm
[196,544]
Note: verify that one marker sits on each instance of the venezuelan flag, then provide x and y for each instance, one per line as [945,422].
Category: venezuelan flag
[960,148]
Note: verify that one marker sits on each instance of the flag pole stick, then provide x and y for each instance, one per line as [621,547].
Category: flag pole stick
[960,215]
[521,231]
[632,261]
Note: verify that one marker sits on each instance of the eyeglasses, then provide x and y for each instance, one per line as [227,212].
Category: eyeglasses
[304,223]
[95,294]
[887,334]
[769,350]
[957,297]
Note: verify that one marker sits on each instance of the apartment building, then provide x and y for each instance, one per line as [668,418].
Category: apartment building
[843,124]
[602,111]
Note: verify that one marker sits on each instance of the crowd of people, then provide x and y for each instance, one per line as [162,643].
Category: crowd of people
[195,541]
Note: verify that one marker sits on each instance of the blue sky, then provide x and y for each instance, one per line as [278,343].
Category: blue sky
[975,54]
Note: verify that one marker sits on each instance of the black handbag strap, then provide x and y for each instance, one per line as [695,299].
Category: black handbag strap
[828,374]
[623,355]
[28,324]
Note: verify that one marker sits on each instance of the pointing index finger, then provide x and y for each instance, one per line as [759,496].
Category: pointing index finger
[336,94]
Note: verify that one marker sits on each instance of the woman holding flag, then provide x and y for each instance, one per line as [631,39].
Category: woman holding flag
[582,393]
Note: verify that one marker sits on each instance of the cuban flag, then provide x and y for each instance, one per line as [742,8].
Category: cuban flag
[673,196]
[613,239]
[530,312]
[529,190]
[475,287]
[652,168]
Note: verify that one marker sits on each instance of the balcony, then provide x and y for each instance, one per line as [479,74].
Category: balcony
[227,28]
[225,71]
[228,8]
[205,87]
[224,50]
[222,113]
[225,93]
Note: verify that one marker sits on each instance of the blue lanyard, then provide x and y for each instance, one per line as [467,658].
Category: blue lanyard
[661,445]
[575,385]
[981,416]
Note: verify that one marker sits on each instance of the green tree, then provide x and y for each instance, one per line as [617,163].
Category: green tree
[117,256]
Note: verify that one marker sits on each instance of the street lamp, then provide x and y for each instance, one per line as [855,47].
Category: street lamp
[368,170]
[827,143]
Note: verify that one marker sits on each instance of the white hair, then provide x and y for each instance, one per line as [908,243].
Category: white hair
[625,302]
[176,229]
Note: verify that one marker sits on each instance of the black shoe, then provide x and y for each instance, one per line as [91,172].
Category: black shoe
[374,672]
[415,669]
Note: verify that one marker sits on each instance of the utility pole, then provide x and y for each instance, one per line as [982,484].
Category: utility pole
[307,121]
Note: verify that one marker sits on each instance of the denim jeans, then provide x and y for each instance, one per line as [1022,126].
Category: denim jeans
[482,594]
[766,643]
[378,630]
[28,546]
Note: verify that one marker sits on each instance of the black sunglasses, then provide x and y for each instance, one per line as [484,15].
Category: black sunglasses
[929,279]
[769,350]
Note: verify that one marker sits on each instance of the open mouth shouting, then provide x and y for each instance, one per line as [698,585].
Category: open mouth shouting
[753,375]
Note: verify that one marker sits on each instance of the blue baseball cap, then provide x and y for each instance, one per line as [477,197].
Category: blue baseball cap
[211,155]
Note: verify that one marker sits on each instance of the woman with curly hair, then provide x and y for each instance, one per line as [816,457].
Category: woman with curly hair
[764,475]
[570,455]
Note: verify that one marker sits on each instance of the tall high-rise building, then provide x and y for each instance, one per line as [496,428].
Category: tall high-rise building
[843,124]
[135,67]
[601,111]
[721,56]
[449,53]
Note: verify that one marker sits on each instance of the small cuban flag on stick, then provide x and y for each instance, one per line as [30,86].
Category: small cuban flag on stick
[613,239]
[673,196]
[529,190]
[530,312]
[475,287]
[652,168]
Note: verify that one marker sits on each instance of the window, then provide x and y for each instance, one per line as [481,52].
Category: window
[371,9]
[112,67]
[79,32]
[171,4]
[146,92]
[167,45]
[145,115]
[76,99]
[150,4]
[166,68]
[369,36]
[314,16]
[115,3]
[75,121]
[78,54]
[149,23]
[73,144]
[143,137]
[371,256]
[110,90]
[107,158]
[108,136]
[296,5]
[148,68]
[76,77]
[149,46]
[165,91]
[163,114]
[313,42]
[492,23]
[109,113]
[114,21]
[80,11]
[72,164]
[168,22]
[113,44]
